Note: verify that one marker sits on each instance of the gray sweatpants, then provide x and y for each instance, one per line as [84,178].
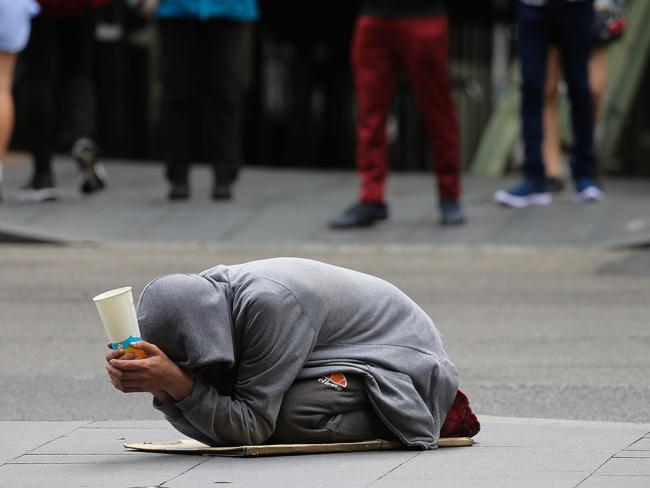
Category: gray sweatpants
[334,408]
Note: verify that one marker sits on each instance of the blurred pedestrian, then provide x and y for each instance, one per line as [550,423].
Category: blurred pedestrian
[60,53]
[609,26]
[15,24]
[412,36]
[569,24]
[201,60]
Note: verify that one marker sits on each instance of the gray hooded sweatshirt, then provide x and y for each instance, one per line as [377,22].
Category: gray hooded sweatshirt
[247,332]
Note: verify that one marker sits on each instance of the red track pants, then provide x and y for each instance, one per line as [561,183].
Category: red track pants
[419,46]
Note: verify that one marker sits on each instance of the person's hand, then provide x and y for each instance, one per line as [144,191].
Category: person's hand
[161,395]
[154,373]
[118,354]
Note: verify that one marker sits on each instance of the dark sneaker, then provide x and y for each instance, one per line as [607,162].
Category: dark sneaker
[554,184]
[179,191]
[451,212]
[523,195]
[93,175]
[221,192]
[360,215]
[40,189]
[587,191]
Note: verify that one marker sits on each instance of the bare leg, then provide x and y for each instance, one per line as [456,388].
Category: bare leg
[7,64]
[598,77]
[551,147]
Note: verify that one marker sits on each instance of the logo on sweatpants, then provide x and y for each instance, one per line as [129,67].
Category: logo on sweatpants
[334,380]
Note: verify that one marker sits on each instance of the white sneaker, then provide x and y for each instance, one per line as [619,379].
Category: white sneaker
[589,194]
[40,189]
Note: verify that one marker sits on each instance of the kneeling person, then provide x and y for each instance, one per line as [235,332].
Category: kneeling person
[291,350]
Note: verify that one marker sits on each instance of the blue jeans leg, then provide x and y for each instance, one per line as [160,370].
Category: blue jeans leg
[574,30]
[534,37]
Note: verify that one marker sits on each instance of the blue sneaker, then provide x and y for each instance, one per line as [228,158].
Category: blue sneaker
[451,212]
[523,195]
[587,191]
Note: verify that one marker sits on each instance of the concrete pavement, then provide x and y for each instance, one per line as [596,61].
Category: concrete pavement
[293,206]
[510,453]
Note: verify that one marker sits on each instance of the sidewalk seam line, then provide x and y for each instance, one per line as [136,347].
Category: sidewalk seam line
[184,472]
[393,469]
[610,458]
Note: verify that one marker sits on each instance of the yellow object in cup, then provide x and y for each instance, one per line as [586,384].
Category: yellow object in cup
[117,311]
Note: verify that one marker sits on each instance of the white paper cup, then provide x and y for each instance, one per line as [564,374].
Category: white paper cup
[117,311]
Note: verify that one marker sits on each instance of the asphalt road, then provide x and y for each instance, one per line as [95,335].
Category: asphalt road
[552,332]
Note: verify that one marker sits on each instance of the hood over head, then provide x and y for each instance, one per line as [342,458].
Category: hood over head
[188,317]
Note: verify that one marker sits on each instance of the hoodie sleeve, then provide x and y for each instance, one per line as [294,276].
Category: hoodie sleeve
[174,416]
[276,338]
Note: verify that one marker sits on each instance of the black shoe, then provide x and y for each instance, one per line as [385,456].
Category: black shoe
[554,184]
[451,212]
[40,189]
[93,174]
[360,215]
[179,191]
[221,192]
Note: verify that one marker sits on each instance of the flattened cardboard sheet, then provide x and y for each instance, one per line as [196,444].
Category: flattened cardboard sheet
[190,446]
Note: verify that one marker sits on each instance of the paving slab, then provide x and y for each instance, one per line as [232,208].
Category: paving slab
[32,458]
[554,434]
[511,452]
[640,445]
[129,425]
[633,454]
[129,471]
[521,452]
[92,455]
[493,468]
[18,438]
[103,441]
[617,482]
[625,466]
[317,471]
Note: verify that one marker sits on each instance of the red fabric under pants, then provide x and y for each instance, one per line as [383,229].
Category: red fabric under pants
[418,46]
[461,420]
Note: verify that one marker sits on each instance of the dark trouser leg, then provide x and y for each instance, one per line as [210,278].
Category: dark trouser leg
[321,411]
[221,52]
[299,141]
[423,51]
[177,43]
[39,76]
[574,22]
[534,35]
[375,77]
[76,66]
